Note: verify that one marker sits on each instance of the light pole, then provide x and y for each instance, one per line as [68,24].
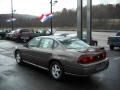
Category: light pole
[79,19]
[51,21]
[12,26]
[89,21]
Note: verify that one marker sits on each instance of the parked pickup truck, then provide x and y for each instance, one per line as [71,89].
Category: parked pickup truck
[114,41]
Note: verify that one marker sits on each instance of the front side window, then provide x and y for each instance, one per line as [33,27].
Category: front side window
[46,43]
[34,42]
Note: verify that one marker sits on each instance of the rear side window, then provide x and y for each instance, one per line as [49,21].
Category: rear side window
[46,43]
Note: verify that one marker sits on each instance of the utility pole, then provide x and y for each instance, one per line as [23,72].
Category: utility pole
[51,22]
[89,20]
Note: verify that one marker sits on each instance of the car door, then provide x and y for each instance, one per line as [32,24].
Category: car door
[30,52]
[45,51]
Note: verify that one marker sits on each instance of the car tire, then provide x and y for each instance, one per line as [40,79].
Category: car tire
[96,43]
[111,47]
[24,40]
[56,70]
[18,58]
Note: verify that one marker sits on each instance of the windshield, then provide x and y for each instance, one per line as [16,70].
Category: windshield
[74,43]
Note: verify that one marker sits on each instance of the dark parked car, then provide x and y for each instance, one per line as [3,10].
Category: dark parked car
[114,41]
[36,33]
[10,35]
[3,33]
[19,34]
[61,55]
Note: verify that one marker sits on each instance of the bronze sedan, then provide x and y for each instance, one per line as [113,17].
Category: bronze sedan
[62,55]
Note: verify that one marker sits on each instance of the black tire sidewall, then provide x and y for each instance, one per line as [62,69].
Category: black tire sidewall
[111,47]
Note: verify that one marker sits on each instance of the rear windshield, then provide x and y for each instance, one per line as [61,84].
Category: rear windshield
[74,43]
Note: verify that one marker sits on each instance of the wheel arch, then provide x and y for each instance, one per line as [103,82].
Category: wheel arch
[17,50]
[55,60]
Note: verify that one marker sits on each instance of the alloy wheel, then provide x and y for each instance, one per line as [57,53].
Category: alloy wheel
[56,71]
[18,58]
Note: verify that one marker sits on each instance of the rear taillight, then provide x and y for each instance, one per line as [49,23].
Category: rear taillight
[85,59]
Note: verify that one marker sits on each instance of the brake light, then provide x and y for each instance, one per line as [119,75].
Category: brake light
[85,59]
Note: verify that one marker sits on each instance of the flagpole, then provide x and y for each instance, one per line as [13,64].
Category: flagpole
[51,22]
[51,10]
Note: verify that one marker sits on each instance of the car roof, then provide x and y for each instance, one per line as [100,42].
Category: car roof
[51,36]
[56,37]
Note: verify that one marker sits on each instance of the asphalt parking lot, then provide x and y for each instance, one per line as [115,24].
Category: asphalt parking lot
[15,77]
[26,77]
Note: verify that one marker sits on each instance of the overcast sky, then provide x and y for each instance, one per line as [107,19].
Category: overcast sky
[37,7]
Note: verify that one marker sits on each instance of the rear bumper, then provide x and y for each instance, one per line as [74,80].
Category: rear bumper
[86,70]
[116,44]
[25,38]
